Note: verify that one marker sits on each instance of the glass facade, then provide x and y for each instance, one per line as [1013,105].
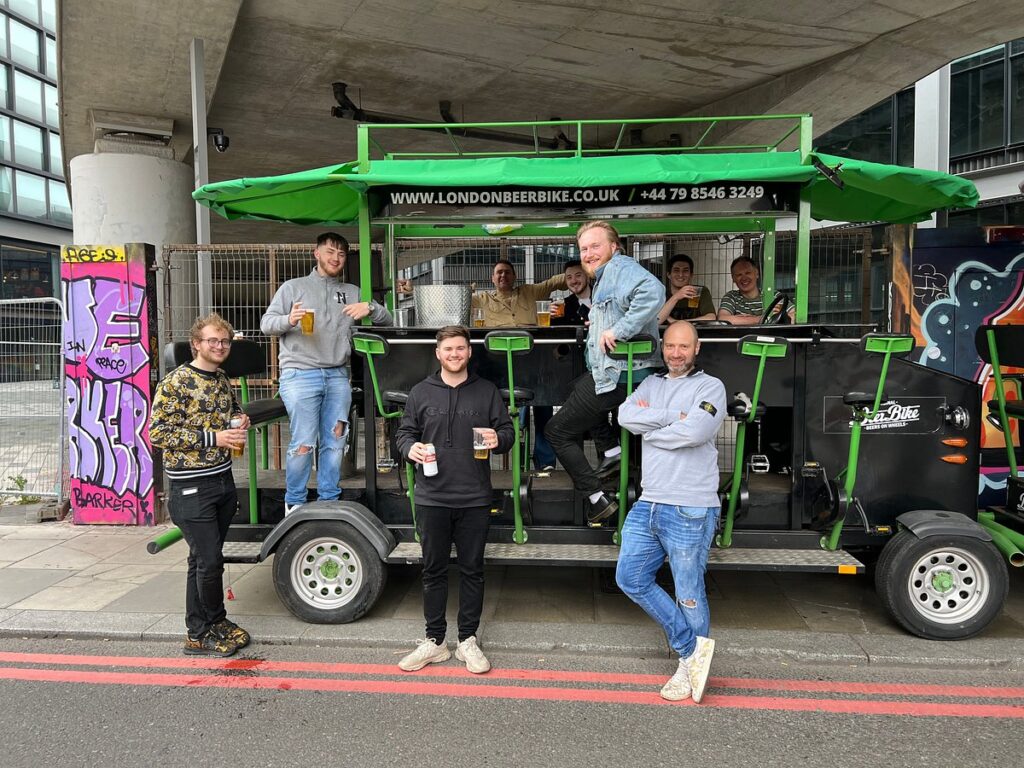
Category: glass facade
[987,100]
[31,165]
[882,134]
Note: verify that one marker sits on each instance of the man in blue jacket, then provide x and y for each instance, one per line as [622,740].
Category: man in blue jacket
[678,414]
[625,303]
[453,506]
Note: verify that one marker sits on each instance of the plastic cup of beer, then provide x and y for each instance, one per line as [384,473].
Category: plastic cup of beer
[308,321]
[480,449]
[478,317]
[558,308]
[236,423]
[694,301]
[544,314]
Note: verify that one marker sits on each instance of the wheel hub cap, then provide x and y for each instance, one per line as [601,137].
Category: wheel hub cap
[948,585]
[942,581]
[326,573]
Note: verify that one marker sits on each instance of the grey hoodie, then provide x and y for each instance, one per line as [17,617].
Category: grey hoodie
[680,460]
[330,345]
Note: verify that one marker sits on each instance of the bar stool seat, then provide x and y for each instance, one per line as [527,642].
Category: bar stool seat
[861,399]
[523,395]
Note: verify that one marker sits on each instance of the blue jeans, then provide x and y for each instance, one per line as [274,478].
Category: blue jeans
[543,453]
[684,534]
[318,403]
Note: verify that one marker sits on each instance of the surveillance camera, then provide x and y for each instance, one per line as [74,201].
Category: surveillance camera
[220,140]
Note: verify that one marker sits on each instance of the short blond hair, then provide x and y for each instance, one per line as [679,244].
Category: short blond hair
[609,230]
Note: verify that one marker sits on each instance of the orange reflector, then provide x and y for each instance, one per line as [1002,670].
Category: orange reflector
[955,458]
[955,442]
[848,569]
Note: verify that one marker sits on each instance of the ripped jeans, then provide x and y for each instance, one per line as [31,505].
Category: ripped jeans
[683,534]
[318,403]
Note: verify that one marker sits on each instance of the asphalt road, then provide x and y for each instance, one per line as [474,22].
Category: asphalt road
[95,703]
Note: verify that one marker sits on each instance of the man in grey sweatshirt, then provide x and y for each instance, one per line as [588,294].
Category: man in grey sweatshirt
[678,414]
[315,383]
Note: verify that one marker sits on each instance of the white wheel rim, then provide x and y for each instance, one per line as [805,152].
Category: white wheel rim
[948,585]
[326,573]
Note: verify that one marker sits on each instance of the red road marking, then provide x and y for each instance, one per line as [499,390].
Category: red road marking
[538,675]
[412,686]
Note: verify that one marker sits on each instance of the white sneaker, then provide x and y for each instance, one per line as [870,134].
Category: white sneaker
[700,665]
[427,652]
[469,652]
[289,508]
[678,686]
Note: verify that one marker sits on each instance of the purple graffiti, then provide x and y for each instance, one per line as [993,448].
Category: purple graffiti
[107,326]
[107,426]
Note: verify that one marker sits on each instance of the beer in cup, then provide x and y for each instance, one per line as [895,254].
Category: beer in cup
[694,301]
[236,423]
[558,308]
[307,322]
[544,314]
[480,449]
[478,317]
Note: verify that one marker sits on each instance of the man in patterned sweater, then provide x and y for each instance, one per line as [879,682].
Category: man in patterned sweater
[192,413]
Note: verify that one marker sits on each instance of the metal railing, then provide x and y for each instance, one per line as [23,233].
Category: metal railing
[33,427]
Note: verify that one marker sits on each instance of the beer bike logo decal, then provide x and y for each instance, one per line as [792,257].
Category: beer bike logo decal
[909,416]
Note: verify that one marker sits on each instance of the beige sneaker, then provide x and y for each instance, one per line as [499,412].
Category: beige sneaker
[427,652]
[678,686]
[469,652]
[700,665]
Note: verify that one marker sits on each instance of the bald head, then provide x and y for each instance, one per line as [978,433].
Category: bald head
[679,347]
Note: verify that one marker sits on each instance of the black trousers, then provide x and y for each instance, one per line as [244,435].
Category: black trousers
[583,411]
[439,528]
[202,508]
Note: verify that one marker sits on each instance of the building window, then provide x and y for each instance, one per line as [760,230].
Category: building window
[50,15]
[28,96]
[5,138]
[1017,91]
[31,194]
[882,134]
[60,206]
[27,273]
[26,8]
[56,156]
[3,35]
[24,45]
[51,57]
[5,86]
[52,112]
[28,145]
[987,100]
[6,193]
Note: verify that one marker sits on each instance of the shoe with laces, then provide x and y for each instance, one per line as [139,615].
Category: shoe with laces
[699,663]
[427,652]
[209,644]
[469,652]
[230,631]
[678,686]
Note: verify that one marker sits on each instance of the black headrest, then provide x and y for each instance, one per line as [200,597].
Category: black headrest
[176,353]
[1009,344]
[247,358]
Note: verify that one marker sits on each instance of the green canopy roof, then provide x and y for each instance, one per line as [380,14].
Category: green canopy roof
[329,195]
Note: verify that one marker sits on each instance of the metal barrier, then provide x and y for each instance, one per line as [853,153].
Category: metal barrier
[33,424]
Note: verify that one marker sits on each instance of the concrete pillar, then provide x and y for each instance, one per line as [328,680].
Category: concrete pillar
[931,126]
[124,193]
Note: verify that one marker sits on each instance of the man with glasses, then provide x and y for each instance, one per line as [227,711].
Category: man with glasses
[192,412]
[314,356]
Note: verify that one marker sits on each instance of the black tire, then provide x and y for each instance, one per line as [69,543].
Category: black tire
[326,572]
[941,587]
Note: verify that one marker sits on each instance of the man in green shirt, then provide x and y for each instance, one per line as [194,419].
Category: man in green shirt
[684,301]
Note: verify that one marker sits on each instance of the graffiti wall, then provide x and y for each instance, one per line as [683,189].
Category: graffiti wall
[109,335]
[955,282]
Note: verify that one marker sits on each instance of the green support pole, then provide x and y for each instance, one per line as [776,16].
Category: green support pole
[1004,421]
[265,446]
[163,541]
[520,536]
[624,460]
[250,439]
[365,252]
[410,480]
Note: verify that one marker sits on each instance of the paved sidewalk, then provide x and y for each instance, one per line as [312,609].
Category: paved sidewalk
[58,579]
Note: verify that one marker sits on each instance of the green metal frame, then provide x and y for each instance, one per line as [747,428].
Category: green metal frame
[629,349]
[1004,420]
[763,350]
[887,346]
[509,345]
[370,348]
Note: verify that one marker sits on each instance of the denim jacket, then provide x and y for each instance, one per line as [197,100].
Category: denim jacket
[626,299]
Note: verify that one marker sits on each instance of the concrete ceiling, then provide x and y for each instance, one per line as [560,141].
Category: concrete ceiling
[270,65]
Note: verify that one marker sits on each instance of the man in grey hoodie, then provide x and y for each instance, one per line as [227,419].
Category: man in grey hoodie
[678,414]
[315,383]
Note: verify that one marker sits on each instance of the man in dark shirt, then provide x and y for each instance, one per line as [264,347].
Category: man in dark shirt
[453,505]
[683,300]
[577,303]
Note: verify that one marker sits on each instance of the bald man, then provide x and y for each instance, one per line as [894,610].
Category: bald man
[678,413]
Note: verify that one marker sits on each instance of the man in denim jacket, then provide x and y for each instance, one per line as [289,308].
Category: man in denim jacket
[626,299]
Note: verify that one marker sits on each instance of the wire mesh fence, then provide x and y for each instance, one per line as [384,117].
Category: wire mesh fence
[32,418]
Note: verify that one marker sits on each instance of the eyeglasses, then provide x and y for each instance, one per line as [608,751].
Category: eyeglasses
[225,343]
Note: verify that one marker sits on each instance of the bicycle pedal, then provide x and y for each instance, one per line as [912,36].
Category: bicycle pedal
[759,464]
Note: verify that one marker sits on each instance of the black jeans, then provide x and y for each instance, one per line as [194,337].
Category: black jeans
[202,508]
[439,528]
[583,411]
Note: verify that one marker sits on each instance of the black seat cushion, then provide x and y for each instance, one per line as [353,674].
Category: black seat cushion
[861,399]
[523,396]
[1014,408]
[394,397]
[264,410]
[739,407]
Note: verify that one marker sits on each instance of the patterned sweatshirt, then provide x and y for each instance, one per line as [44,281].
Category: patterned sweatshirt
[189,408]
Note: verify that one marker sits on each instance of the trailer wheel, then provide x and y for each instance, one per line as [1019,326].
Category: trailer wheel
[943,587]
[326,572]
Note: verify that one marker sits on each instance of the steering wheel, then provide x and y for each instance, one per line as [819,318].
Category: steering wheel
[770,317]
